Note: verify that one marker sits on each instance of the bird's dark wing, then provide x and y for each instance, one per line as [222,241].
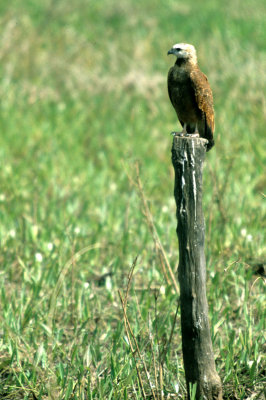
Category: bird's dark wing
[169,80]
[204,99]
[170,84]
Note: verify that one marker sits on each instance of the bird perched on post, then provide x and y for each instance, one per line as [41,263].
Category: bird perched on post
[191,94]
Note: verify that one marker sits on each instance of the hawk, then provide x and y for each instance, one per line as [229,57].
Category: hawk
[191,94]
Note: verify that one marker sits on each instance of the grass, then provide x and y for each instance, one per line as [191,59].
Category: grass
[83,96]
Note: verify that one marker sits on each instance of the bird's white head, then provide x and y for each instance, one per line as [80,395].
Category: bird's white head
[184,51]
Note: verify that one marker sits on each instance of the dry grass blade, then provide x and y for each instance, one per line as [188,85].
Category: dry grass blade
[124,305]
[129,332]
[153,356]
[62,275]
[161,381]
[137,347]
[131,346]
[220,189]
[130,275]
[166,348]
[158,245]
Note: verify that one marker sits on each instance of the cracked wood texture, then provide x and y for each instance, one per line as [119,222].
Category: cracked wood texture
[187,157]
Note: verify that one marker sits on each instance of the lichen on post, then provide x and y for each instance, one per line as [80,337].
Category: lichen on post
[188,155]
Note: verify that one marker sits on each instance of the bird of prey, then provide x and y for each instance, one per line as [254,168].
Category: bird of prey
[190,94]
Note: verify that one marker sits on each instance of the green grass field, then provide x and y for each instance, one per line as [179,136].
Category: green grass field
[83,98]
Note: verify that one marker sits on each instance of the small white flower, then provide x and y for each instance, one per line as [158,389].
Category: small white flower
[165,209]
[50,246]
[12,233]
[103,337]
[8,169]
[249,238]
[86,285]
[243,232]
[108,284]
[2,197]
[77,230]
[38,257]
[113,187]
[162,290]
[34,231]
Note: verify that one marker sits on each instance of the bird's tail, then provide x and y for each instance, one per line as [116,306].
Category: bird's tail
[210,144]
[209,135]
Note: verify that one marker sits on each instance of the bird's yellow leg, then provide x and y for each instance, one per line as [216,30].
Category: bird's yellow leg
[184,130]
[195,134]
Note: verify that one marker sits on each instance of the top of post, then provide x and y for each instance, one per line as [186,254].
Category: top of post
[181,141]
[185,147]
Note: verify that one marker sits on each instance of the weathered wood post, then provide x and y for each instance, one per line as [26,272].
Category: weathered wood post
[187,157]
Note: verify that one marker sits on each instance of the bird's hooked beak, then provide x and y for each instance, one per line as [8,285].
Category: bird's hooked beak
[171,51]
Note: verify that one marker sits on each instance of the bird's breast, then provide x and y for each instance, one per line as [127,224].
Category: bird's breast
[183,97]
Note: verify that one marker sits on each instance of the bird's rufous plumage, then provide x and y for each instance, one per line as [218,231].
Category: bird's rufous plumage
[191,94]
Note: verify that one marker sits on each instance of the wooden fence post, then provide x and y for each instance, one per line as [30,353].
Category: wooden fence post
[187,157]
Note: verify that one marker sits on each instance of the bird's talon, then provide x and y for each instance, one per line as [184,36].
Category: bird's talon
[180,134]
[192,135]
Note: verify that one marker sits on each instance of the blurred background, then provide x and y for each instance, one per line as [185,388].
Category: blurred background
[83,97]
